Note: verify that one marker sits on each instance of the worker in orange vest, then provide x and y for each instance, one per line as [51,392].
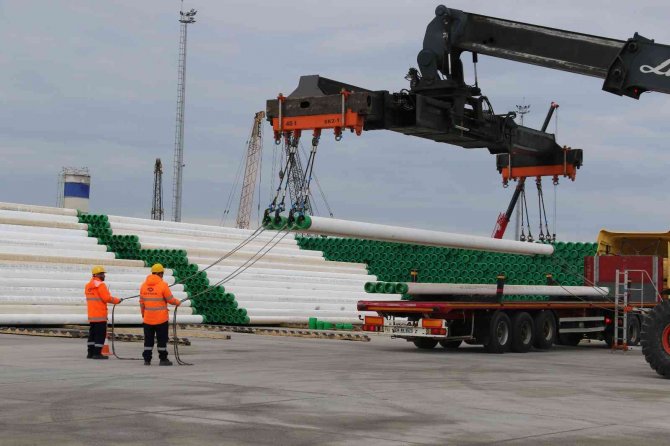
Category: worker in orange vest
[155,294]
[97,298]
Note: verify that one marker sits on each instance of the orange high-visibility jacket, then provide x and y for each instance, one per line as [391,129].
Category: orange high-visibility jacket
[155,294]
[97,298]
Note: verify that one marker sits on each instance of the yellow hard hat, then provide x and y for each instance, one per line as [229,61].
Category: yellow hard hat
[98,269]
[157,268]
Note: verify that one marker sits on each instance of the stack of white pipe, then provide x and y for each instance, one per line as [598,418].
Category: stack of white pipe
[45,261]
[286,285]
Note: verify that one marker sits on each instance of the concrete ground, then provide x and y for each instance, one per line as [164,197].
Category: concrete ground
[290,391]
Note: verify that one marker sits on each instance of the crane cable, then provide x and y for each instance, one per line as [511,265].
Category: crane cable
[246,265]
[241,245]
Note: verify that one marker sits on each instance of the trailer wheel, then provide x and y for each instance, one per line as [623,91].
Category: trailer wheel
[545,330]
[451,345]
[633,330]
[656,338]
[633,337]
[425,343]
[499,337]
[522,332]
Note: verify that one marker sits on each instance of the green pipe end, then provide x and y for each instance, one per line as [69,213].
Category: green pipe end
[303,222]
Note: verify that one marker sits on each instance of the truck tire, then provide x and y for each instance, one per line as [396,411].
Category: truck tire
[545,330]
[500,333]
[451,345]
[633,330]
[425,343]
[522,332]
[655,338]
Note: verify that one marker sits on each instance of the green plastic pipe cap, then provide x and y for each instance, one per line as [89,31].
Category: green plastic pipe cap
[379,287]
[319,325]
[369,287]
[312,323]
[401,288]
[303,222]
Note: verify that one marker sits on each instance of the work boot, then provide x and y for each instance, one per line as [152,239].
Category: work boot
[99,356]
[89,355]
[147,362]
[165,362]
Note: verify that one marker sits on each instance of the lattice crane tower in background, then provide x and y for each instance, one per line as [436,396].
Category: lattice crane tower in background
[157,204]
[254,151]
[185,18]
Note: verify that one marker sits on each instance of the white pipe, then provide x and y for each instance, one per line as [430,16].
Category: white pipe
[242,255]
[20,221]
[44,276]
[58,259]
[309,284]
[61,245]
[81,319]
[75,309]
[38,209]
[39,282]
[270,289]
[53,252]
[255,312]
[263,275]
[247,299]
[218,272]
[37,293]
[32,216]
[177,225]
[218,247]
[192,234]
[272,320]
[345,228]
[272,308]
[38,231]
[12,262]
[201,238]
[335,267]
[62,300]
[521,290]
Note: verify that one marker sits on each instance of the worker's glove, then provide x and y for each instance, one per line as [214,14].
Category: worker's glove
[178,303]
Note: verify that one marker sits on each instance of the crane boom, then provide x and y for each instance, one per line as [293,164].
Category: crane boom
[254,149]
[440,106]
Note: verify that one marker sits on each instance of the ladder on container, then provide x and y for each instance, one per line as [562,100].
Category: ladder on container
[622,298]
[622,291]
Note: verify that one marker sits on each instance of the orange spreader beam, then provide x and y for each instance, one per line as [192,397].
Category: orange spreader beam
[352,120]
[514,173]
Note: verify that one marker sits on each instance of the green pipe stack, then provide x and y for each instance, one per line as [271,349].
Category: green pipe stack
[213,303]
[394,262]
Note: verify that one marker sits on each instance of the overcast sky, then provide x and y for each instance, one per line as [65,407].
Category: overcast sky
[93,84]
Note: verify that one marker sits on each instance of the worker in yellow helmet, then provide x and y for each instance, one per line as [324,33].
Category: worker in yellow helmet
[155,294]
[97,298]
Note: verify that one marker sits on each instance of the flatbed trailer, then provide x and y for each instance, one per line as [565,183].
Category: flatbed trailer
[502,326]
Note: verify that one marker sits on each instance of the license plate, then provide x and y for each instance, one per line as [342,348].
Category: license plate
[405,330]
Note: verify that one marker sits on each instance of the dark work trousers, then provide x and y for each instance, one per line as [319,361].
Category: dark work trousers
[97,332]
[161,332]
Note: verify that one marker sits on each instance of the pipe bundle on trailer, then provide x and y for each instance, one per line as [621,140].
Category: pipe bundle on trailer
[372,231]
[473,289]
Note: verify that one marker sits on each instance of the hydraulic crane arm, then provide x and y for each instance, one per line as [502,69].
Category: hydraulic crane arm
[628,68]
[439,105]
